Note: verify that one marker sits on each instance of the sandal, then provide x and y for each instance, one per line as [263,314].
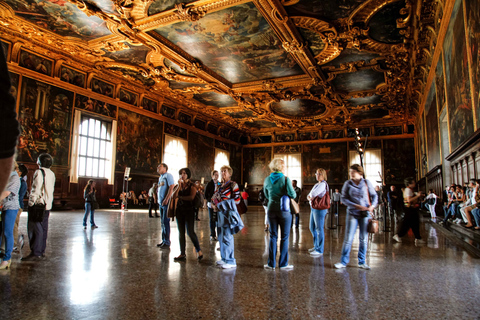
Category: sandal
[477,228]
[181,257]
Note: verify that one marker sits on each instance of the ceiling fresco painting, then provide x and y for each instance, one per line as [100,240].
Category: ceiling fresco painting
[60,17]
[237,43]
[215,99]
[251,68]
[358,81]
[303,107]
[383,28]
[163,5]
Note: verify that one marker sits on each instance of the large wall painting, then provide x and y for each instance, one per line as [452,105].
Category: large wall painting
[201,156]
[473,30]
[431,127]
[440,82]
[457,79]
[331,157]
[61,17]
[237,43]
[45,115]
[399,160]
[72,76]
[236,163]
[36,63]
[255,164]
[133,150]
[102,87]
[93,105]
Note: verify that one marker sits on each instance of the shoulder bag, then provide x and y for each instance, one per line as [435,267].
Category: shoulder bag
[36,212]
[372,226]
[241,207]
[322,203]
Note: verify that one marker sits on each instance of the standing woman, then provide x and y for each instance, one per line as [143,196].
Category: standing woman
[185,213]
[152,200]
[359,195]
[90,200]
[228,221]
[210,189]
[317,217]
[9,198]
[411,201]
[22,171]
[275,186]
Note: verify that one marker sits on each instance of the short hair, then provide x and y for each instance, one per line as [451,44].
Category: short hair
[228,168]
[187,171]
[213,172]
[276,164]
[323,172]
[45,160]
[408,181]
[23,170]
[357,168]
[164,165]
[294,181]
[431,191]
[473,181]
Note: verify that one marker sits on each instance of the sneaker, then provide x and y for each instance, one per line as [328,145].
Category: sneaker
[21,241]
[94,227]
[220,262]
[420,241]
[311,249]
[165,247]
[364,266]
[316,254]
[228,266]
[160,244]
[397,238]
[287,267]
[31,257]
[339,265]
[266,266]
[213,239]
[84,227]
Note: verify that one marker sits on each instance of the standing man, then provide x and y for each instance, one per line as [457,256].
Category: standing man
[392,197]
[298,193]
[42,192]
[210,189]
[165,190]
[336,201]
[152,201]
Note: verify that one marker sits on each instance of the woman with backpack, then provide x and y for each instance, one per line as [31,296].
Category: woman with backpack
[317,216]
[185,213]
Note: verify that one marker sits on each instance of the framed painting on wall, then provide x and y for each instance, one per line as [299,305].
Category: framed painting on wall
[72,76]
[431,128]
[96,106]
[36,63]
[168,112]
[102,87]
[473,37]
[128,97]
[149,105]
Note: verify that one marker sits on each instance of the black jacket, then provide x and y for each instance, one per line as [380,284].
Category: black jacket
[209,190]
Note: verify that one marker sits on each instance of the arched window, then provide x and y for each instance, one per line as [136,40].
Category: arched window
[222,158]
[293,163]
[175,154]
[372,164]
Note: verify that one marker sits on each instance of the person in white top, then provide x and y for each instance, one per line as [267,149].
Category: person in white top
[470,204]
[317,217]
[41,193]
[432,202]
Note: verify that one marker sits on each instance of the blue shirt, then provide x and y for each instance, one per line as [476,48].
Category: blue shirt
[22,192]
[164,183]
[353,194]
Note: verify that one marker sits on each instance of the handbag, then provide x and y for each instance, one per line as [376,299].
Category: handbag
[372,226]
[36,213]
[96,206]
[321,203]
[241,207]
[289,204]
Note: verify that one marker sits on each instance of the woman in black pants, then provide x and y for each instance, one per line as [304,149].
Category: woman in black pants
[412,218]
[185,213]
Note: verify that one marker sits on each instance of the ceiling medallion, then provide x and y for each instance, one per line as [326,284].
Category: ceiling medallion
[301,108]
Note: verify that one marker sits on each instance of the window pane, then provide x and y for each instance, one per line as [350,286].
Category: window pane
[101,168]
[81,166]
[97,128]
[90,147]
[84,128]
[91,127]
[83,146]
[102,148]
[103,134]
[88,170]
[109,131]
[95,168]
[96,148]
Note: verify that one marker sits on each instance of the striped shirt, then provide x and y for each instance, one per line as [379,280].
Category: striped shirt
[230,190]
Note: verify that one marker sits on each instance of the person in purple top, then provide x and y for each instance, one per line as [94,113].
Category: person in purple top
[359,195]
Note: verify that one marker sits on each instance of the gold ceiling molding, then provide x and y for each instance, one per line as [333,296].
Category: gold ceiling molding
[189,13]
[365,11]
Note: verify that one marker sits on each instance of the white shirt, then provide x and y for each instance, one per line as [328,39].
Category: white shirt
[40,195]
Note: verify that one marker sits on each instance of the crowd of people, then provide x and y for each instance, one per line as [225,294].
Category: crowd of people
[461,204]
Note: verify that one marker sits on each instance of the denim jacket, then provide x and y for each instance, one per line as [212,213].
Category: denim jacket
[228,216]
[353,194]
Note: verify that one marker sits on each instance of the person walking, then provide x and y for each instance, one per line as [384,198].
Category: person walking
[210,189]
[22,171]
[42,193]
[275,187]
[165,190]
[152,201]
[185,213]
[336,201]
[9,199]
[317,216]
[412,217]
[90,203]
[298,193]
[359,195]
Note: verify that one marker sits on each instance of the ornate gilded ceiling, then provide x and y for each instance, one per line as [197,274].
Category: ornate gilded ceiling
[251,65]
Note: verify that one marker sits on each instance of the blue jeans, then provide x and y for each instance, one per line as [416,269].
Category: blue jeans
[350,229]
[227,245]
[476,216]
[213,222]
[8,221]
[165,221]
[91,211]
[284,220]
[317,223]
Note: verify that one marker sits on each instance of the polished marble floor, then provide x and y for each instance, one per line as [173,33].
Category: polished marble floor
[117,272]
